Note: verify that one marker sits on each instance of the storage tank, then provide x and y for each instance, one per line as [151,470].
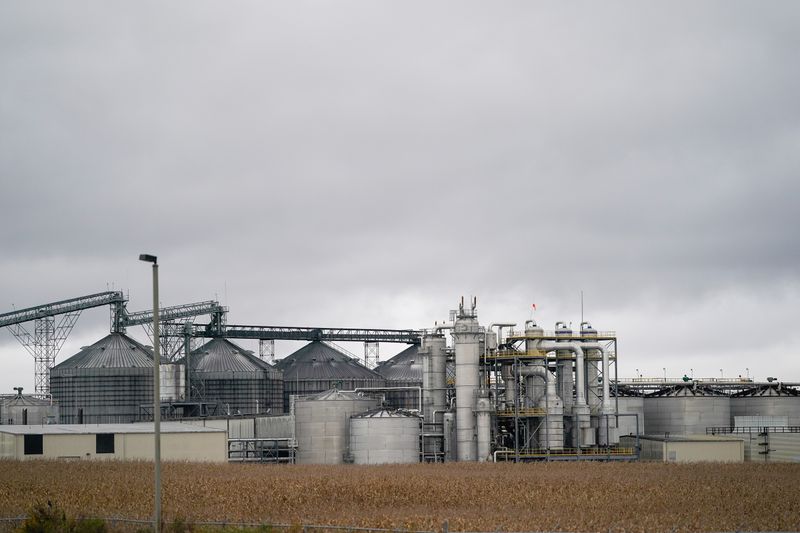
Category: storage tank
[403,370]
[110,381]
[322,425]
[629,402]
[318,367]
[382,436]
[774,399]
[685,410]
[240,383]
[27,410]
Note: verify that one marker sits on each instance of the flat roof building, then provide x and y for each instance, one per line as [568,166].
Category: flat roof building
[179,442]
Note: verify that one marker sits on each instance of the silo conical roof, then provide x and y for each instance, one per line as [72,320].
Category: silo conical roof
[688,390]
[405,366]
[321,361]
[24,401]
[771,390]
[115,350]
[221,355]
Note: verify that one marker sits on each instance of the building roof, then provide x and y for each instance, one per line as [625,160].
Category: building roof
[318,360]
[221,355]
[115,350]
[405,366]
[91,429]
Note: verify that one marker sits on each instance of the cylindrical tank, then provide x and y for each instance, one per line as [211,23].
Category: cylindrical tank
[535,388]
[483,413]
[685,410]
[564,370]
[435,344]
[109,382]
[593,361]
[240,382]
[322,425]
[466,338]
[774,399]
[450,445]
[383,436]
[172,379]
[27,410]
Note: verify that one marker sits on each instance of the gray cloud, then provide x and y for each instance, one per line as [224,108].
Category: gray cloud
[367,164]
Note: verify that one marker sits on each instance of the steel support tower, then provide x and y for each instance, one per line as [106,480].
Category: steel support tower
[52,324]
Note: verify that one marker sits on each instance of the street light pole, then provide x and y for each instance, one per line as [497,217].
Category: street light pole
[156,394]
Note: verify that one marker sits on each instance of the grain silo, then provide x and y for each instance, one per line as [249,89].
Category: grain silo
[23,409]
[402,370]
[685,410]
[771,400]
[383,436]
[110,381]
[322,425]
[318,367]
[239,382]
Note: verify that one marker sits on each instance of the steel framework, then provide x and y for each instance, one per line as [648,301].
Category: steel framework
[52,324]
[235,331]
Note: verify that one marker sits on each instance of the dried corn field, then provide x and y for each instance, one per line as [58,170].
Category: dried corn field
[487,497]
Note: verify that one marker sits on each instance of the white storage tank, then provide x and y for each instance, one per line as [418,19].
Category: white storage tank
[685,410]
[322,425]
[27,410]
[384,436]
[773,400]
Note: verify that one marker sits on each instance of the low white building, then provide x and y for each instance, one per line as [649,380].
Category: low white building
[179,442]
[688,449]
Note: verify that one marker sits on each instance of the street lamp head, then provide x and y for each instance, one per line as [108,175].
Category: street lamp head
[149,258]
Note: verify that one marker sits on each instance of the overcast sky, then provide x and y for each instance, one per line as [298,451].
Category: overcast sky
[365,164]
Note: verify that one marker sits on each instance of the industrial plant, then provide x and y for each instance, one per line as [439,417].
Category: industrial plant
[460,391]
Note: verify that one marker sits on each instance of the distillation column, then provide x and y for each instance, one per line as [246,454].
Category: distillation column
[565,376]
[434,399]
[466,338]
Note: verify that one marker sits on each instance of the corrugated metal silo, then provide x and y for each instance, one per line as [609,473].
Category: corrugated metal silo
[322,425]
[384,436]
[685,410]
[403,370]
[238,381]
[629,402]
[107,382]
[318,367]
[774,399]
[24,410]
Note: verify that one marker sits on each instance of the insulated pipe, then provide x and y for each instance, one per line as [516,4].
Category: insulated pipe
[578,349]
